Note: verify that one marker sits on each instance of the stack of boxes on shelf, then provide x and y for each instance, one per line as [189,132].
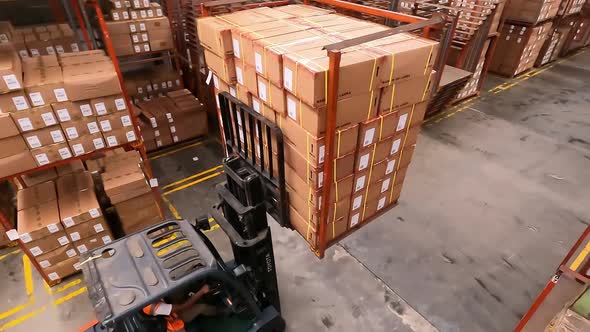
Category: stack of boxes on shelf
[58,220]
[151,82]
[176,117]
[138,26]
[65,106]
[272,60]
[528,25]
[32,41]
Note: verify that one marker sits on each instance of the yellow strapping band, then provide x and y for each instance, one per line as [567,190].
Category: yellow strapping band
[369,180]
[308,213]
[300,112]
[326,86]
[428,59]
[426,87]
[380,126]
[392,98]
[370,105]
[392,66]
[334,222]
[338,151]
[307,158]
[401,152]
[373,73]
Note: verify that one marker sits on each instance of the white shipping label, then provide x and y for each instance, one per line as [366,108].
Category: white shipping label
[50,50]
[232,91]
[144,37]
[23,54]
[136,4]
[390,167]
[63,115]
[159,12]
[26,237]
[369,135]
[98,228]
[86,110]
[74,47]
[292,109]
[82,248]
[65,153]
[157,133]
[92,127]
[53,228]
[322,150]
[71,253]
[25,124]
[137,48]
[385,185]
[130,136]
[112,141]
[158,143]
[139,89]
[77,266]
[142,27]
[117,4]
[116,16]
[177,81]
[320,179]
[169,84]
[142,14]
[105,125]
[364,162]
[262,91]
[255,105]
[153,182]
[60,49]
[135,38]
[45,264]
[98,143]
[236,45]
[3,38]
[173,129]
[150,13]
[357,202]
[288,79]
[239,75]
[42,159]
[75,236]
[57,136]
[126,121]
[36,251]
[34,141]
[146,3]
[34,52]
[381,203]
[360,183]
[72,133]
[106,239]
[175,138]
[12,234]
[216,82]
[239,118]
[78,149]
[48,118]
[63,240]
[258,62]
[155,86]
[169,116]
[68,222]
[354,220]
[53,276]
[395,146]
[209,77]
[36,99]
[146,47]
[163,84]
[100,108]
[11,82]
[154,124]
[20,103]
[401,123]
[94,213]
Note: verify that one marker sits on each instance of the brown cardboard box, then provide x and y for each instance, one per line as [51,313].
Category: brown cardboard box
[57,256]
[73,166]
[141,48]
[35,178]
[378,204]
[109,104]
[405,93]
[138,211]
[88,229]
[189,126]
[246,76]
[72,111]
[48,243]
[87,144]
[400,175]
[38,221]
[161,39]
[35,195]
[361,181]
[45,86]
[44,137]
[7,126]
[122,44]
[224,68]
[10,69]
[378,187]
[125,183]
[63,269]
[78,208]
[11,146]
[309,232]
[356,208]
[115,121]
[91,81]
[34,118]
[71,184]
[531,11]
[384,167]
[13,101]
[138,4]
[80,128]
[339,192]
[120,136]
[271,95]
[51,153]
[336,211]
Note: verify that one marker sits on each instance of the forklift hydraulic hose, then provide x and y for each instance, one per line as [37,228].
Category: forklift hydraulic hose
[227,278]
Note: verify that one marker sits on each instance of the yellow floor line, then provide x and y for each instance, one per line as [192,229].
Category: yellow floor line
[68,286]
[167,153]
[171,207]
[70,296]
[13,311]
[192,183]
[28,275]
[192,177]
[581,257]
[21,319]
[10,254]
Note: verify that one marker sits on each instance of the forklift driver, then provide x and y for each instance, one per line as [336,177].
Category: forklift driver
[178,314]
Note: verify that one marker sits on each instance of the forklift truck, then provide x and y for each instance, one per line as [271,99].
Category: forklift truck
[169,260]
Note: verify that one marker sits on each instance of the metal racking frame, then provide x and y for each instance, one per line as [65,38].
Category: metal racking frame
[334,53]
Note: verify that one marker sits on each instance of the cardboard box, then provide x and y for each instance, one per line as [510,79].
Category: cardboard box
[378,204]
[361,181]
[10,69]
[57,256]
[63,269]
[72,111]
[356,208]
[35,195]
[340,190]
[336,211]
[71,184]
[87,144]
[385,167]
[47,243]
[91,81]
[334,229]
[109,104]
[224,68]
[73,166]
[78,208]
[125,183]
[531,11]
[45,86]
[35,178]
[88,229]
[405,93]
[138,212]
[80,128]
[7,126]
[119,136]
[190,126]
[13,101]
[115,121]
[161,40]
[51,153]
[44,137]
[11,146]
[38,221]
[246,76]
[34,118]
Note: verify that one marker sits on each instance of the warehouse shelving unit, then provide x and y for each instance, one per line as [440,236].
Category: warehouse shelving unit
[409,23]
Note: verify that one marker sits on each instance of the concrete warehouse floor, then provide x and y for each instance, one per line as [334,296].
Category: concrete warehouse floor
[496,195]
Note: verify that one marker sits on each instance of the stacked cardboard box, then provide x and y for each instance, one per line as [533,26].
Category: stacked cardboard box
[32,41]
[57,225]
[274,62]
[571,7]
[518,48]
[472,86]
[122,10]
[176,117]
[531,12]
[151,82]
[140,35]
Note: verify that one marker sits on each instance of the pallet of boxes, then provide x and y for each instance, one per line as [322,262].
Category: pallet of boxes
[58,220]
[272,60]
[32,41]
[144,84]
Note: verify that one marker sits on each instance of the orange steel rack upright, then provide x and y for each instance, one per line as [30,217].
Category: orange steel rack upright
[334,54]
